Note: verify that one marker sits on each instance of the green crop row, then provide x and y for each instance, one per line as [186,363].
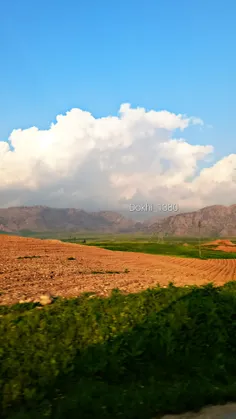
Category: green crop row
[168,248]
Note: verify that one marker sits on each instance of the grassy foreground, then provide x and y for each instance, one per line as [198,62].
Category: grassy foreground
[130,356]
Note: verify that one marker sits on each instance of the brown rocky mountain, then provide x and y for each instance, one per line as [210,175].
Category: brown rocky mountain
[41,219]
[216,221]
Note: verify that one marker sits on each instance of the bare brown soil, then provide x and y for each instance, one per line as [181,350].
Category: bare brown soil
[220,242]
[223,245]
[231,249]
[94,269]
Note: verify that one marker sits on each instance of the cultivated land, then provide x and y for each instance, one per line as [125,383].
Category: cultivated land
[31,267]
[135,355]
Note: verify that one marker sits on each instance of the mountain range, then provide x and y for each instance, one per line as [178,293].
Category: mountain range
[216,221]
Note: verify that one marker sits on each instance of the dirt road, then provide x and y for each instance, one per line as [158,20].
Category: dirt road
[227,411]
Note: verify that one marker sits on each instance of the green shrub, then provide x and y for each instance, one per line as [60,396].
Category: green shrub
[126,356]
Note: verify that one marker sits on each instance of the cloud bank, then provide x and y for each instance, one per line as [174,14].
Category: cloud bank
[110,162]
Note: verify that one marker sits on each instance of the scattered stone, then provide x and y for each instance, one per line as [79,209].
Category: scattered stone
[45,299]
[26,300]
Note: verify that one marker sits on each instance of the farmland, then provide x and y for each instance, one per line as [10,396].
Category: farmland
[218,250]
[142,334]
[29,267]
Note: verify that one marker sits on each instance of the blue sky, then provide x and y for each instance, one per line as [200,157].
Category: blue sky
[177,55]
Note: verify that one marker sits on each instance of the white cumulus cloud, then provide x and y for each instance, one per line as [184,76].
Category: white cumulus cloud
[110,162]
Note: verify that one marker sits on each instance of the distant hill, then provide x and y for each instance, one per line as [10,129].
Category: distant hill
[216,221]
[42,219]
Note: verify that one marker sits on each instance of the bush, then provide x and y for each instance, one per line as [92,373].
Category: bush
[131,356]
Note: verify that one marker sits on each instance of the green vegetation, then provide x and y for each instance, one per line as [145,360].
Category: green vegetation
[172,246]
[80,236]
[127,356]
[7,233]
[140,242]
[172,249]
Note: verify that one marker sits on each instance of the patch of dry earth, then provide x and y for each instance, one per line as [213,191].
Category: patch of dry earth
[54,273]
[227,411]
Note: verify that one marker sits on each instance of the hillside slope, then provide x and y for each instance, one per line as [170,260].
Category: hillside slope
[216,221]
[40,218]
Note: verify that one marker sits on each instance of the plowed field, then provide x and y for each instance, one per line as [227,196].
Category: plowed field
[94,269]
[223,245]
